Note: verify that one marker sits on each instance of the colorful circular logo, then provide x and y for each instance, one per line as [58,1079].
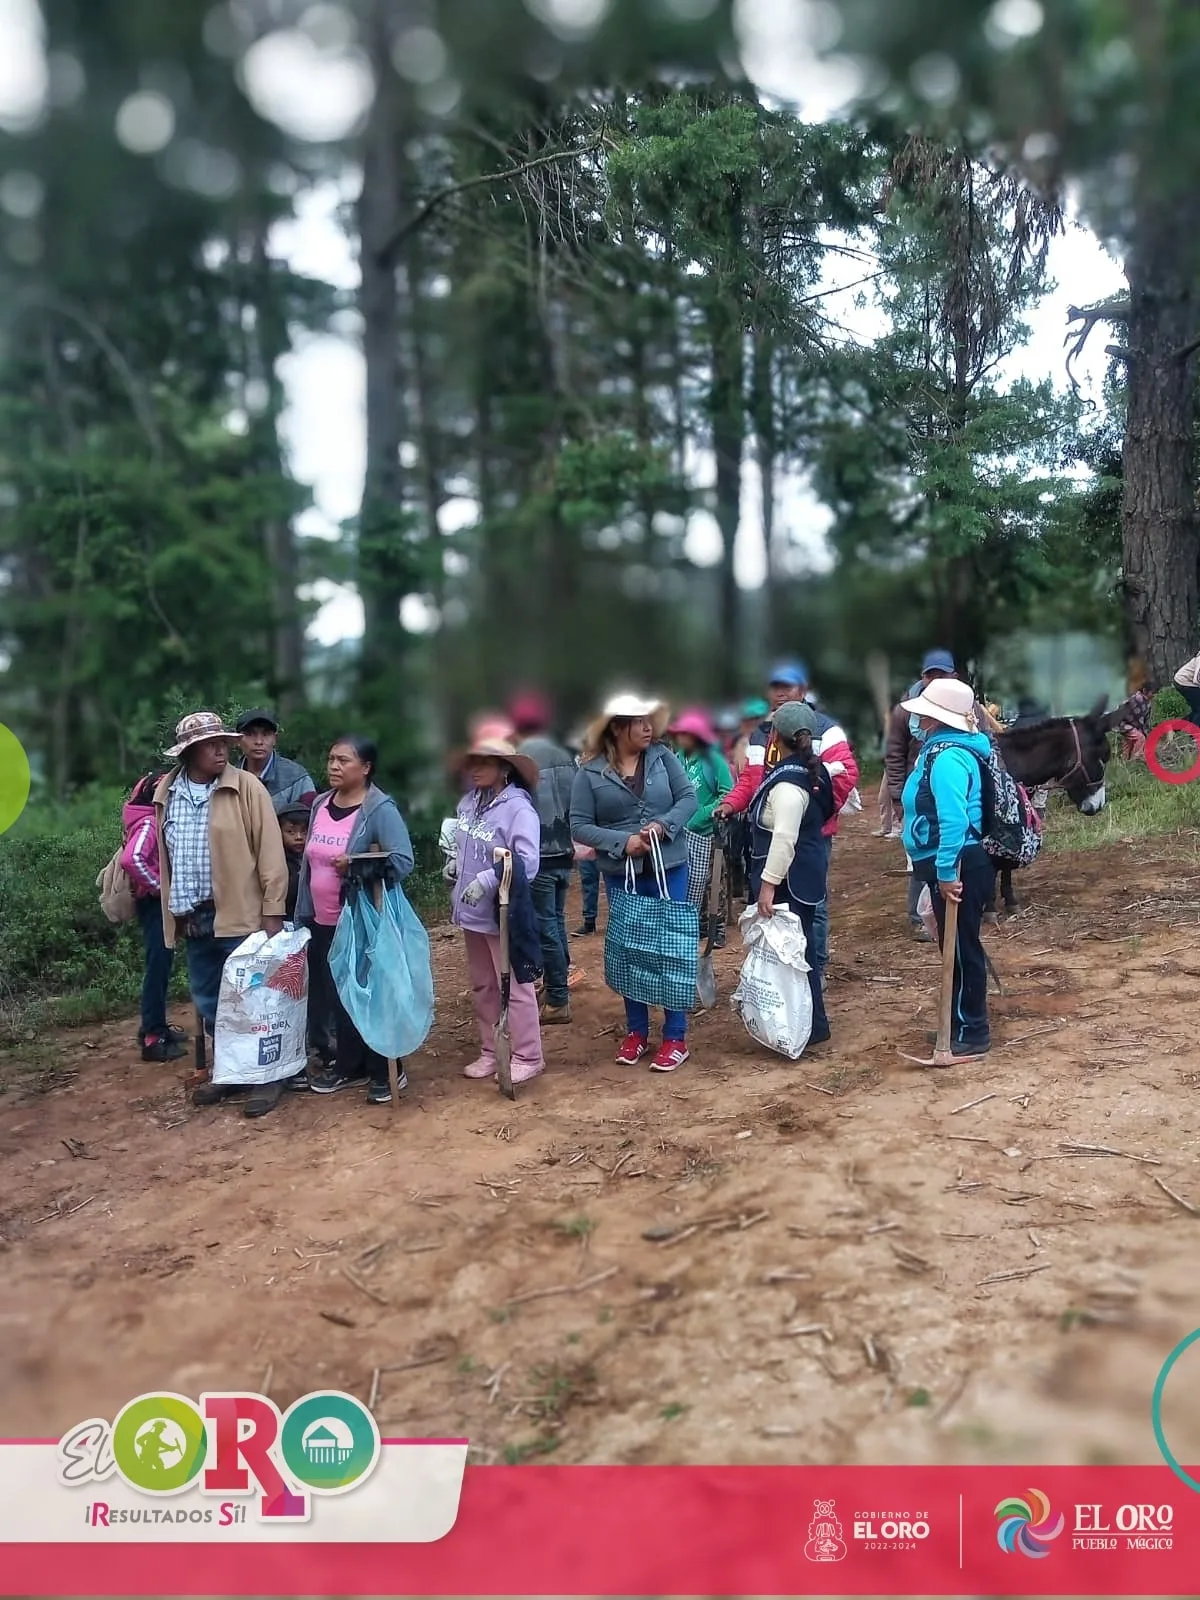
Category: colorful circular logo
[1026,1526]
[1156,1401]
[14,778]
[329,1441]
[159,1443]
[1157,735]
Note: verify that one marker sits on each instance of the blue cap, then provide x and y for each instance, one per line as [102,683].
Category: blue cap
[793,673]
[938,661]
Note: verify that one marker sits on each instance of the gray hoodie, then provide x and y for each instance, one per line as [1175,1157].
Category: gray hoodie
[553,798]
[378,822]
[605,812]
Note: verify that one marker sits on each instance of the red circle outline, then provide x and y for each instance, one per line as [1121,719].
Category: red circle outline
[1157,734]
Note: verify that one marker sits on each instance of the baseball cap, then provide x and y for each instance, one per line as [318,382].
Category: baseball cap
[257,714]
[938,661]
[793,673]
[795,717]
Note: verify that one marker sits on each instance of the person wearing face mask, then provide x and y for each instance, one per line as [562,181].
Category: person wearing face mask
[904,739]
[631,790]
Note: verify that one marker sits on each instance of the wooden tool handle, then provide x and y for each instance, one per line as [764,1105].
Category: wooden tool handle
[503,859]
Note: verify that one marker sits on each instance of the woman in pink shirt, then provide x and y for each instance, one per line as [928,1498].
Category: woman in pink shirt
[349,819]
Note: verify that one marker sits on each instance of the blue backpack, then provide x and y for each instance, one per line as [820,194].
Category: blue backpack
[1012,829]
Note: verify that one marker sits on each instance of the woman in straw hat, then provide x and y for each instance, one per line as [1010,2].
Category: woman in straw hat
[708,773]
[631,789]
[223,869]
[497,813]
[943,827]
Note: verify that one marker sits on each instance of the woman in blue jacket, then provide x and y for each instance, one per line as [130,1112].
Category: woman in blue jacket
[630,790]
[943,826]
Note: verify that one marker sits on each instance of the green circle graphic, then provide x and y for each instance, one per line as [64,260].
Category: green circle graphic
[1156,1412]
[159,1443]
[329,1441]
[14,778]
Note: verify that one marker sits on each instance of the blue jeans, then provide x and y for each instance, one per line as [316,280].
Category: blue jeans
[549,891]
[206,960]
[820,928]
[637,1016]
[589,882]
[156,976]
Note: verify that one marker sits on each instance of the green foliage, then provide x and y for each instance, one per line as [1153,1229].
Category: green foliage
[1169,705]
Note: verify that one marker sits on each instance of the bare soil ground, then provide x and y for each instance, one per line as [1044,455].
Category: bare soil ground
[751,1261]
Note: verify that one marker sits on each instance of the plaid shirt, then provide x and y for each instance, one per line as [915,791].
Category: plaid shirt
[185,831]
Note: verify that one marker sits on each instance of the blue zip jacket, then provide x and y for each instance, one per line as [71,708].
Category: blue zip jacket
[956,783]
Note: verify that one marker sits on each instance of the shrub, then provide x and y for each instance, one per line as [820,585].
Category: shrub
[1169,706]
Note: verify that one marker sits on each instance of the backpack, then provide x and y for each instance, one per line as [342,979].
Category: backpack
[116,891]
[1012,829]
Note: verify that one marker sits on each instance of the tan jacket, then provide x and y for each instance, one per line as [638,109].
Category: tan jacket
[249,867]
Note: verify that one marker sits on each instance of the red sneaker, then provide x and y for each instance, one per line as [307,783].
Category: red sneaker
[632,1051]
[673,1053]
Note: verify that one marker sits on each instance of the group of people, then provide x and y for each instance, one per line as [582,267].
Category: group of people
[218,848]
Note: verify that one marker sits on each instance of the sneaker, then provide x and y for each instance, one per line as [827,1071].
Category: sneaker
[379,1093]
[920,934]
[485,1067]
[585,930]
[523,1071]
[574,976]
[161,1047]
[672,1053]
[818,1038]
[632,1051]
[966,1050]
[554,1015]
[331,1080]
[298,1083]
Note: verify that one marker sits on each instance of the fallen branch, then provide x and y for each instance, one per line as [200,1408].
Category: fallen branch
[1072,1149]
[421,1361]
[374,1394]
[336,1317]
[971,1104]
[563,1288]
[1008,1277]
[364,1288]
[1178,1198]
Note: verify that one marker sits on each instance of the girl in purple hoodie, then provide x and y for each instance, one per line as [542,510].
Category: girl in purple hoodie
[497,812]
[139,858]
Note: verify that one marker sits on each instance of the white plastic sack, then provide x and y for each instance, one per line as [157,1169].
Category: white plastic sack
[448,845]
[925,912]
[772,996]
[262,1010]
[853,803]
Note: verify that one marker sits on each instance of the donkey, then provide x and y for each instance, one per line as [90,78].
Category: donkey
[1069,752]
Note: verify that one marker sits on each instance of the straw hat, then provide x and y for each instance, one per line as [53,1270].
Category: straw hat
[526,769]
[196,728]
[626,707]
[948,701]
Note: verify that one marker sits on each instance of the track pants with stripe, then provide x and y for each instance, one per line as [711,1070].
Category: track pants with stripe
[968,1011]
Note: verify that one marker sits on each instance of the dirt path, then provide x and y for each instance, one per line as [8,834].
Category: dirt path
[824,1297]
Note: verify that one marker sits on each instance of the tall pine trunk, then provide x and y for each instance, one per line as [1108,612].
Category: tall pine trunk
[1159,523]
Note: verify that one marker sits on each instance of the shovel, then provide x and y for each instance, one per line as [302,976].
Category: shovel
[718,907]
[943,1056]
[201,1047]
[502,1034]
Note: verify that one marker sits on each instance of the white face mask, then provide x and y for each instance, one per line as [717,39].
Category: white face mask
[914,726]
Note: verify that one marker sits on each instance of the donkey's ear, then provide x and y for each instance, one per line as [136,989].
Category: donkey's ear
[1097,711]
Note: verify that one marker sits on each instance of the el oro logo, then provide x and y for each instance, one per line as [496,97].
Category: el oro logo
[229,1444]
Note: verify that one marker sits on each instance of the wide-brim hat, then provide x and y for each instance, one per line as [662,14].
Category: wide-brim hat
[526,768]
[948,701]
[625,708]
[697,723]
[196,728]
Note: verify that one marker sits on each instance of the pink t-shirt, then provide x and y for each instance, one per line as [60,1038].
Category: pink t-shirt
[327,840]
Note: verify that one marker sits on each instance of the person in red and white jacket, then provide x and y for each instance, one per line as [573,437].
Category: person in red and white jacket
[789,681]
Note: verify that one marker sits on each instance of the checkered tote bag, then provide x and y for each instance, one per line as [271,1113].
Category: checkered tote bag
[652,947]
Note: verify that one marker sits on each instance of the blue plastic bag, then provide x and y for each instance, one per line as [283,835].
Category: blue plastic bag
[379,961]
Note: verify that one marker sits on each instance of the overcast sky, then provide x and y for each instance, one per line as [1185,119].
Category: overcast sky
[320,93]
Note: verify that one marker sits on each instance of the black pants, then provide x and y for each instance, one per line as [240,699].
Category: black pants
[328,1018]
[968,1009]
[807,915]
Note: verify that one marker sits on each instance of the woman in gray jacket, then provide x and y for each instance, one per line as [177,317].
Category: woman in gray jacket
[631,789]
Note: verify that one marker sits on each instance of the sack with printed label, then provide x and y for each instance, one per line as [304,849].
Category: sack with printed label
[262,1010]
[116,891]
[772,997]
